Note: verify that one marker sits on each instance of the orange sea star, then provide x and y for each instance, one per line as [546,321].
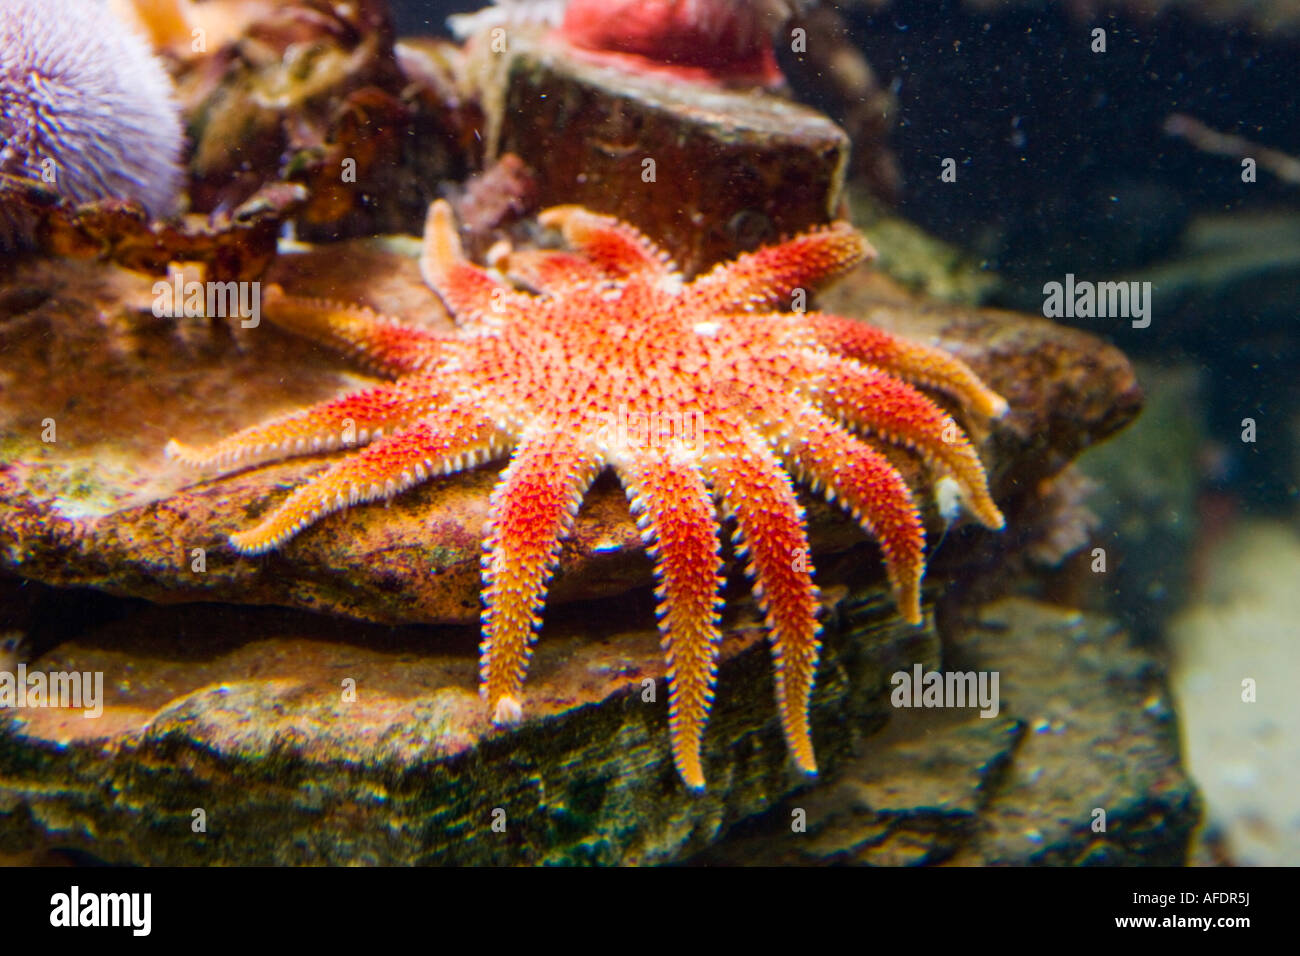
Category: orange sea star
[687,389]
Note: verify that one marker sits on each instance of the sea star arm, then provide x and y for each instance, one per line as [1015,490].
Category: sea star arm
[615,247]
[917,363]
[755,489]
[770,276]
[468,291]
[873,401]
[533,506]
[551,271]
[458,439]
[872,490]
[679,524]
[357,418]
[384,344]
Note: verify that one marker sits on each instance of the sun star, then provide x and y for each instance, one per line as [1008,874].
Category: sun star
[604,355]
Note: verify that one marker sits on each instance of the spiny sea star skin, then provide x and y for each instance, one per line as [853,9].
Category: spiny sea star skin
[603,363]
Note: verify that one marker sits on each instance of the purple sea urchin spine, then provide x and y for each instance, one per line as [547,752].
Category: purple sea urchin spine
[85,106]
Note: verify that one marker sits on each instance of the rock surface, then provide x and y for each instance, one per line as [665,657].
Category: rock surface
[710,171]
[1086,723]
[243,714]
[1234,672]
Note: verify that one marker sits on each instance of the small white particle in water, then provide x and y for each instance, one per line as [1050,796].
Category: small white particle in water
[947,494]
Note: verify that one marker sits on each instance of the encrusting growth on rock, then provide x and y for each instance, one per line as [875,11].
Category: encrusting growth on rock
[604,355]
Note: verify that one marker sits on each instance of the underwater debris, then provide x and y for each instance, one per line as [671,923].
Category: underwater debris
[234,244]
[1207,140]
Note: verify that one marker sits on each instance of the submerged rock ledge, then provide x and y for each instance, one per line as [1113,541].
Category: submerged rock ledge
[242,714]
[239,714]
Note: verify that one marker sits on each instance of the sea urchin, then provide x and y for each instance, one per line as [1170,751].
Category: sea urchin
[85,107]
